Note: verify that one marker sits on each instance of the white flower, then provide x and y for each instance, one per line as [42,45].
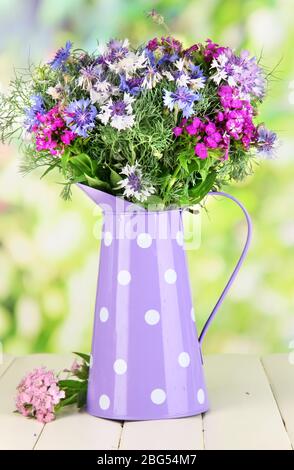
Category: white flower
[55,91]
[152,77]
[180,64]
[183,80]
[197,83]
[118,113]
[168,75]
[129,64]
[134,185]
[101,92]
[219,64]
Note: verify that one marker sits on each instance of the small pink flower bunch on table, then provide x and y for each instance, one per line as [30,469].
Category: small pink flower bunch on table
[41,394]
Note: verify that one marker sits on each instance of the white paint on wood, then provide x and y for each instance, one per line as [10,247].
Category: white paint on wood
[178,434]
[280,372]
[78,430]
[243,413]
[5,361]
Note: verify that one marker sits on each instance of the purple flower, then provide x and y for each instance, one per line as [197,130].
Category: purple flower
[80,116]
[240,72]
[88,75]
[31,113]
[61,56]
[182,98]
[196,71]
[134,184]
[116,51]
[153,44]
[212,50]
[131,86]
[119,114]
[266,141]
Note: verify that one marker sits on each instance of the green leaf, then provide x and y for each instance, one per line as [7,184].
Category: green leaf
[86,357]
[115,178]
[64,161]
[184,161]
[153,199]
[50,168]
[83,374]
[82,163]
[66,401]
[72,384]
[82,398]
[95,182]
[193,166]
[198,192]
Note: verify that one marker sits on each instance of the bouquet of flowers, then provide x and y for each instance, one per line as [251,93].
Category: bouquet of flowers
[158,124]
[41,393]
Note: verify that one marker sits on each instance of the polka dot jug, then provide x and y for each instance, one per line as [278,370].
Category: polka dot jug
[146,358]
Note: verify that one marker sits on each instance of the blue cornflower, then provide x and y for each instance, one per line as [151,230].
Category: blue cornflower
[80,116]
[166,58]
[131,86]
[266,141]
[37,107]
[182,98]
[196,71]
[61,56]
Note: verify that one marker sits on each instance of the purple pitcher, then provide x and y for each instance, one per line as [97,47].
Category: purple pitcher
[146,360]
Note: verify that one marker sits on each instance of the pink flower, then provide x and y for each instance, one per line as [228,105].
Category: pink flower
[177,131]
[38,394]
[210,128]
[67,137]
[192,130]
[75,367]
[194,127]
[153,44]
[201,151]
[51,132]
[210,142]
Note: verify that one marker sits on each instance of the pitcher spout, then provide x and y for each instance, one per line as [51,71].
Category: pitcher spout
[109,202]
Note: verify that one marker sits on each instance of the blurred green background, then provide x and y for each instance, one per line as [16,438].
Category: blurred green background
[48,249]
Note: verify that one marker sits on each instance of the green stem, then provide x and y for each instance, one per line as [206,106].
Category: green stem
[172,181]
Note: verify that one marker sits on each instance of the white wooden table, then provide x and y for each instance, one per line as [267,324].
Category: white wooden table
[252,407]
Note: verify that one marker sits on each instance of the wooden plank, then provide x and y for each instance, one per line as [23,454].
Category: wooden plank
[280,371]
[6,361]
[72,430]
[171,434]
[243,414]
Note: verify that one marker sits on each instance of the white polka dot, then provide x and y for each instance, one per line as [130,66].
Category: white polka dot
[120,367]
[180,238]
[170,276]
[144,240]
[91,361]
[193,314]
[104,314]
[124,278]
[152,317]
[200,396]
[184,359]
[158,396]
[107,238]
[104,402]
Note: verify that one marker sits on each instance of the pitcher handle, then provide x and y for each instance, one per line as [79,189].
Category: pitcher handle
[237,267]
